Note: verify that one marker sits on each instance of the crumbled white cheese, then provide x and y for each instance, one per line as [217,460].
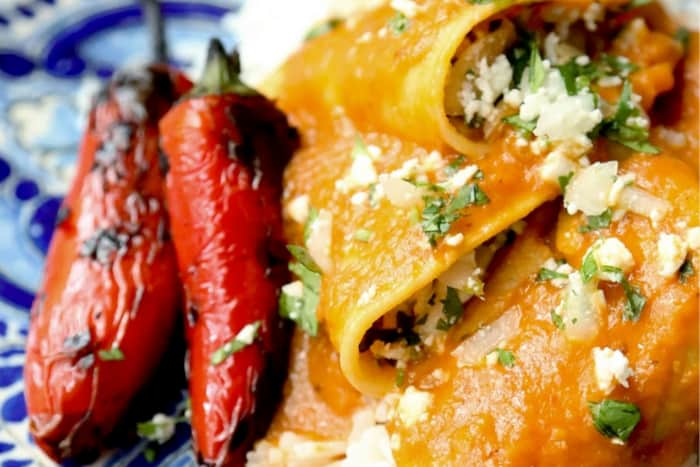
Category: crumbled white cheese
[643,203]
[692,238]
[589,189]
[163,428]
[583,60]
[460,178]
[407,7]
[611,367]
[560,117]
[480,91]
[621,182]
[369,443]
[413,406]
[612,252]
[362,173]
[293,289]
[407,169]
[558,52]
[609,81]
[556,165]
[298,209]
[454,240]
[359,198]
[401,193]
[375,152]
[671,253]
[581,308]
[513,97]
[433,161]
[491,358]
[319,241]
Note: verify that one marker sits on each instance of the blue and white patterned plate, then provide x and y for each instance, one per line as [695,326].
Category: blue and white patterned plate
[53,56]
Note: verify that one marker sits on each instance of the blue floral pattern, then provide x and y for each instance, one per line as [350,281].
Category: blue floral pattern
[53,56]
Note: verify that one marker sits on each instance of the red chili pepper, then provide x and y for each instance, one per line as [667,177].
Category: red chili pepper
[227,147]
[108,303]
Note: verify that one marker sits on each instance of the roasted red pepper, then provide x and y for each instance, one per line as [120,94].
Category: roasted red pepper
[227,147]
[110,295]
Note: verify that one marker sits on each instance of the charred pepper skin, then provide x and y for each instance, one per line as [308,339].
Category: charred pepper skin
[110,295]
[227,148]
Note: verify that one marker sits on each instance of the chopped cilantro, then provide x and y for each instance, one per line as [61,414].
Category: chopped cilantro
[616,128]
[359,149]
[635,301]
[113,354]
[243,339]
[454,165]
[149,454]
[451,308]
[363,235]
[564,181]
[557,320]
[399,23]
[682,35]
[519,56]
[505,357]
[400,377]
[578,77]
[637,3]
[313,215]
[686,271]
[302,310]
[600,221]
[479,175]
[545,274]
[589,267]
[536,71]
[323,28]
[439,213]
[615,419]
[525,127]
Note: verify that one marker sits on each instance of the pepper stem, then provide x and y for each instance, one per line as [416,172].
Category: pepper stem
[221,73]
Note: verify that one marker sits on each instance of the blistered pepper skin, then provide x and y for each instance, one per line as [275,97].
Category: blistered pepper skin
[110,296]
[227,153]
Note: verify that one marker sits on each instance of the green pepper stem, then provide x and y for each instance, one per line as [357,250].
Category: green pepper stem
[221,73]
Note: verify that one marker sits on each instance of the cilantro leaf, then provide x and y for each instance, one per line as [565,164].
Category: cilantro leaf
[440,213]
[615,419]
[505,357]
[564,181]
[635,301]
[519,56]
[536,72]
[545,274]
[243,339]
[451,308]
[149,454]
[113,354]
[686,271]
[399,23]
[557,320]
[302,310]
[589,267]
[363,235]
[526,127]
[682,35]
[600,221]
[323,28]
[616,128]
[454,166]
[400,377]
